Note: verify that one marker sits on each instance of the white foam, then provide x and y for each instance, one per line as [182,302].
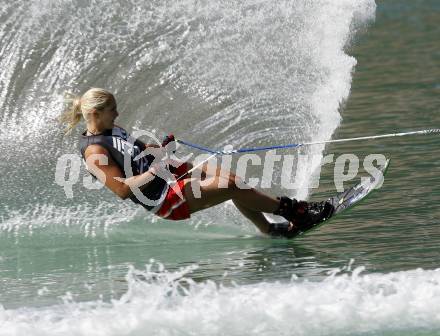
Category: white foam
[87,219]
[170,303]
[279,68]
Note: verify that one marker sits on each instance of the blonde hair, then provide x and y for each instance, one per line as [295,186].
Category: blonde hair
[94,99]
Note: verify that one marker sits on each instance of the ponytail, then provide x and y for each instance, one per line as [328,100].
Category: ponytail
[90,102]
[72,115]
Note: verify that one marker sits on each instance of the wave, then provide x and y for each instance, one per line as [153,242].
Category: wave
[253,72]
[159,302]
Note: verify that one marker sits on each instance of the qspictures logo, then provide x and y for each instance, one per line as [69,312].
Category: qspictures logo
[163,162]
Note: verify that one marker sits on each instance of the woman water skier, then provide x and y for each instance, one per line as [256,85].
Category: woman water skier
[104,140]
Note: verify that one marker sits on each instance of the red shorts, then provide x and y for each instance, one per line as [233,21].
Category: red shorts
[174,207]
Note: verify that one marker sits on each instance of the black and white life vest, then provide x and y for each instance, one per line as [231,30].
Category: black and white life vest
[118,143]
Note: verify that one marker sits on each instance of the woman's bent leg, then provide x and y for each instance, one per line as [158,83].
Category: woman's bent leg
[250,202]
[246,209]
[209,194]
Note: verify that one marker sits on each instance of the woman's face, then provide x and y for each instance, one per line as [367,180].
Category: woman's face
[108,116]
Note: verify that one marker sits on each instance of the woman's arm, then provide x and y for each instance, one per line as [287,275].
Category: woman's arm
[100,164]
